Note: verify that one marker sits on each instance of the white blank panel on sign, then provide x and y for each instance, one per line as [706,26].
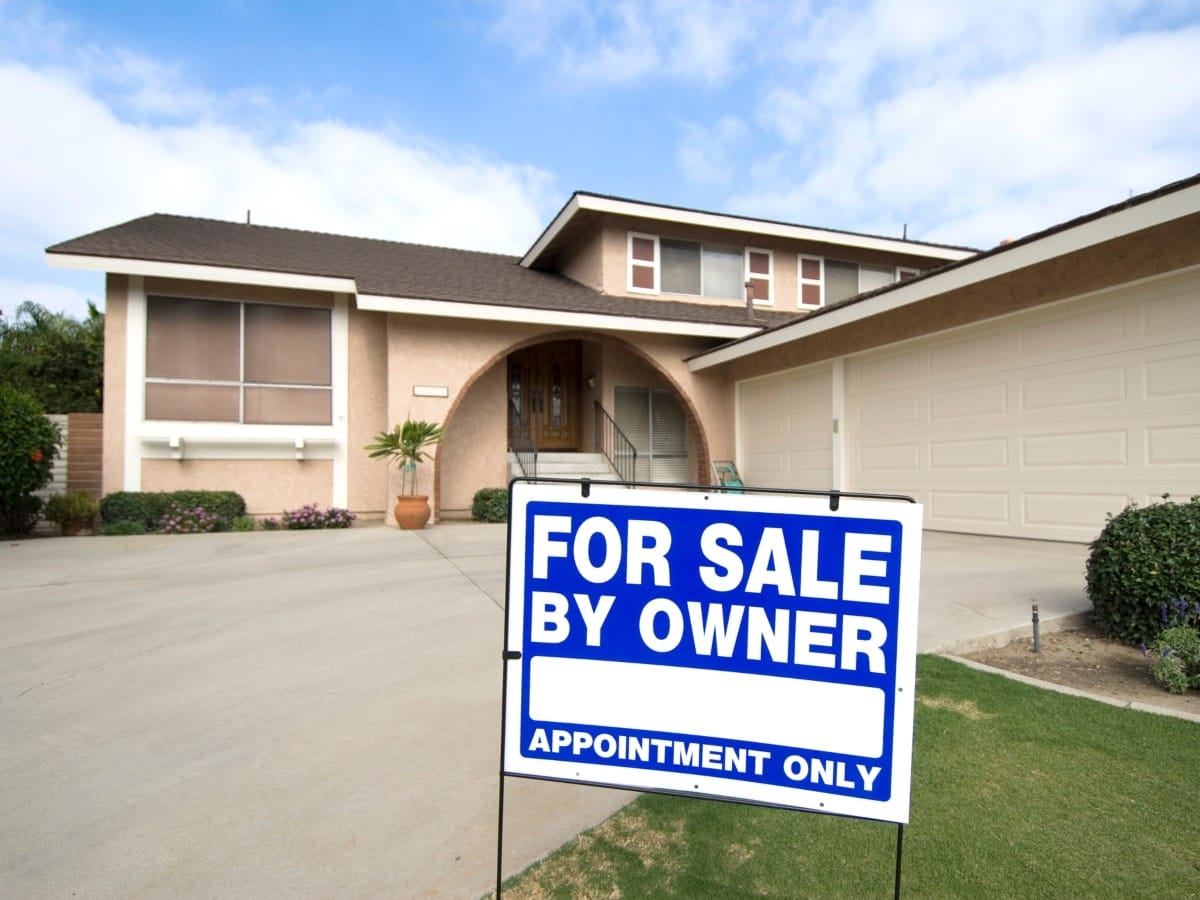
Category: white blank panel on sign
[821,716]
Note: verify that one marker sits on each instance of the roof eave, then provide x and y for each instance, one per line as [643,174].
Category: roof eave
[581,202]
[150,268]
[457,309]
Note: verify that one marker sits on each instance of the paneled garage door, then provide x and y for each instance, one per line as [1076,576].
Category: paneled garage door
[785,429]
[1039,425]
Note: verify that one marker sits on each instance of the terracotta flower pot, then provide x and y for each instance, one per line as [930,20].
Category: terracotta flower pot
[411,512]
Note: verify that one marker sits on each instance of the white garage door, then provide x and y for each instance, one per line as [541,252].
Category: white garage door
[785,429]
[1039,425]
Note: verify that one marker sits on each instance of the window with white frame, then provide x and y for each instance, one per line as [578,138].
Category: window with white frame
[823,282]
[760,274]
[643,254]
[811,278]
[664,265]
[251,363]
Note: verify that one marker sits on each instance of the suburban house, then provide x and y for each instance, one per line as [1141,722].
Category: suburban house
[1027,390]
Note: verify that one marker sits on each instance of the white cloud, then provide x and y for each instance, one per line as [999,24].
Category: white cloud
[1053,113]
[93,139]
[708,154]
[622,42]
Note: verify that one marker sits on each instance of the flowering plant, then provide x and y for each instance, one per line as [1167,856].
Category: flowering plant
[177,520]
[311,516]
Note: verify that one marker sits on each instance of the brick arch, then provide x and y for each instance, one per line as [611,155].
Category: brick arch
[703,458]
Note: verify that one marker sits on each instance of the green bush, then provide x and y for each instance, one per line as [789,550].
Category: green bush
[490,505]
[28,444]
[1178,665]
[1145,563]
[111,529]
[149,507]
[245,523]
[74,506]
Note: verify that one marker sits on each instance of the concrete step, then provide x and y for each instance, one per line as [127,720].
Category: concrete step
[568,465]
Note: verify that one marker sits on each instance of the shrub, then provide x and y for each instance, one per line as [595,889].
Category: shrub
[245,523]
[29,443]
[1178,665]
[134,506]
[1145,559]
[110,529]
[270,524]
[149,507]
[311,516]
[490,505]
[74,506]
[178,520]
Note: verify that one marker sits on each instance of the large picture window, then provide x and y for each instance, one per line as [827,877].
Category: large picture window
[253,363]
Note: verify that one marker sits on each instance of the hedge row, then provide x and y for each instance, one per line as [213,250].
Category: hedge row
[147,508]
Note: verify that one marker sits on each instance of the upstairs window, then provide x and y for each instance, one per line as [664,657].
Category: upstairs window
[759,272]
[700,270]
[643,263]
[811,278]
[824,282]
[251,363]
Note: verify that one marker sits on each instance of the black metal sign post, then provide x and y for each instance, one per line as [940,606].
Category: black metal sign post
[510,656]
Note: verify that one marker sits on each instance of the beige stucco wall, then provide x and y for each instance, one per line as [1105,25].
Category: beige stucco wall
[268,486]
[583,261]
[367,479]
[473,453]
[112,474]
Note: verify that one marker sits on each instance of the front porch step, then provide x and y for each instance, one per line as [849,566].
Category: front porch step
[568,465]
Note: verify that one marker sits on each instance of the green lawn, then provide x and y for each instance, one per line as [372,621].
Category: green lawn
[1017,792]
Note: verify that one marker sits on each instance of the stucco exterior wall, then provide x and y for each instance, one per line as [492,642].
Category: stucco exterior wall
[112,474]
[268,485]
[584,261]
[473,453]
[368,411]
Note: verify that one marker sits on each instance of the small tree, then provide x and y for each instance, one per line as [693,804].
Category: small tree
[29,443]
[57,359]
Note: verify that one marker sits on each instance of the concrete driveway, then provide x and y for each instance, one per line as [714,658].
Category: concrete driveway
[315,714]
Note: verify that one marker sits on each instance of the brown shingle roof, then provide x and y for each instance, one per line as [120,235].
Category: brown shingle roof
[385,268]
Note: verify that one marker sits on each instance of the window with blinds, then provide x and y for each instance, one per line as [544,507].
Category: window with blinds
[654,422]
[252,363]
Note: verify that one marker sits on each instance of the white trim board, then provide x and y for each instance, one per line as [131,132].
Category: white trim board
[452,309]
[674,215]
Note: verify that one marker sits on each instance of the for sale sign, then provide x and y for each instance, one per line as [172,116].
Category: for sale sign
[755,648]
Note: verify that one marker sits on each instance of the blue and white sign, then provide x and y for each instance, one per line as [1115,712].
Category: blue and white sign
[756,648]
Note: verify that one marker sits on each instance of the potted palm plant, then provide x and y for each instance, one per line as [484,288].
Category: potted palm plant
[406,445]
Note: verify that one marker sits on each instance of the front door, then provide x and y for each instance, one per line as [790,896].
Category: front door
[543,393]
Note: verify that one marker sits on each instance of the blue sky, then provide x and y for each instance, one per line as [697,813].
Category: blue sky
[468,123]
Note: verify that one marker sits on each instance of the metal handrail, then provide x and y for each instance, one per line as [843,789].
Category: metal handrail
[521,442]
[616,447]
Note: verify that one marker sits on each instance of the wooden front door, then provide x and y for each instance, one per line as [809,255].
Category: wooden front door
[543,393]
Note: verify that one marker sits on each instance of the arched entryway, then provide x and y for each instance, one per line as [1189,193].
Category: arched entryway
[554,392]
